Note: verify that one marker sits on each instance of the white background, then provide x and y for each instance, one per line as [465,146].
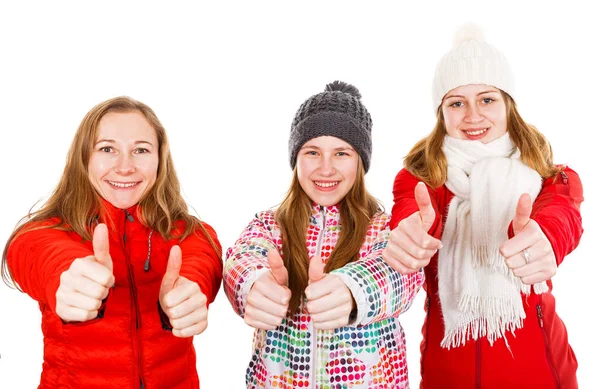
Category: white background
[226,80]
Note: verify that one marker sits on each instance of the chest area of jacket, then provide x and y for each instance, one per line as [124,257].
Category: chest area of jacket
[325,230]
[139,254]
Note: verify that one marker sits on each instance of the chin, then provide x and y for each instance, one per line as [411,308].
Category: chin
[122,204]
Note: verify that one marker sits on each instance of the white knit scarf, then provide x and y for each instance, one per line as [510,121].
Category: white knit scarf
[479,294]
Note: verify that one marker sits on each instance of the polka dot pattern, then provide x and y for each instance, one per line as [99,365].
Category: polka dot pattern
[294,355]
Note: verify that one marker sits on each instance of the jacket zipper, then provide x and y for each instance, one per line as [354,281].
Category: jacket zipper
[135,308]
[314,330]
[541,322]
[478,363]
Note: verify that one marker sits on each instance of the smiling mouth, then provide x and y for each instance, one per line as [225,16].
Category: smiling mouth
[326,185]
[476,132]
[123,185]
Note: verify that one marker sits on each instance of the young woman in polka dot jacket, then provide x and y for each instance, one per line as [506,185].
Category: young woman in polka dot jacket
[310,276]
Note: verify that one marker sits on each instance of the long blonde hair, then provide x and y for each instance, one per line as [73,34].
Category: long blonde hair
[427,162]
[357,209]
[76,203]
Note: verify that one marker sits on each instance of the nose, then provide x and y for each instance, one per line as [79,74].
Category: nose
[473,115]
[125,164]
[326,167]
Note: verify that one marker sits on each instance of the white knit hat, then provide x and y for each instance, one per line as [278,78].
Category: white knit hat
[471,61]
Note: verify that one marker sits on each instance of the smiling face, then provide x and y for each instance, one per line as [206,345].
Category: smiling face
[475,112]
[327,168]
[124,160]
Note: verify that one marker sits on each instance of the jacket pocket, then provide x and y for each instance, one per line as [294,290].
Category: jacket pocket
[540,316]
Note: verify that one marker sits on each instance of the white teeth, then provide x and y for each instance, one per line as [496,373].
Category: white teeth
[479,132]
[122,185]
[326,184]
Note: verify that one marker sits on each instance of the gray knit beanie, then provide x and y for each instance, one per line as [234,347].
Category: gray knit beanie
[336,112]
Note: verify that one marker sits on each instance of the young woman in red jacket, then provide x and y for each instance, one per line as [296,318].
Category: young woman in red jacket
[122,273]
[463,206]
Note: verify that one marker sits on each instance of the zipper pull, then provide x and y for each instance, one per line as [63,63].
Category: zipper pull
[147,262]
[564,177]
[539,314]
[128,215]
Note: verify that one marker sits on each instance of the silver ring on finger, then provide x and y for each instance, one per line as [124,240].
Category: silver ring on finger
[527,256]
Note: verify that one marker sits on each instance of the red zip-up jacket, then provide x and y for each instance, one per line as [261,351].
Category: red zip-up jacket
[129,344]
[540,355]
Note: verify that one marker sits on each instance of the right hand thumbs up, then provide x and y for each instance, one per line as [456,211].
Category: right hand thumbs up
[268,299]
[315,269]
[426,211]
[278,269]
[410,247]
[87,282]
[101,247]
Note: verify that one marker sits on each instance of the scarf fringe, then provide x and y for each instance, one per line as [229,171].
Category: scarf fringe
[475,328]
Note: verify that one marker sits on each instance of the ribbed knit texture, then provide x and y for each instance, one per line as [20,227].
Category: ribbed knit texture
[336,112]
[471,61]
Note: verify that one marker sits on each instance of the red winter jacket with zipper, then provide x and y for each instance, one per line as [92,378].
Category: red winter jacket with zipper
[540,355]
[129,344]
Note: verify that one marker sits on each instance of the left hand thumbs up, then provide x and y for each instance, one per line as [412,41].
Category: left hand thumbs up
[182,300]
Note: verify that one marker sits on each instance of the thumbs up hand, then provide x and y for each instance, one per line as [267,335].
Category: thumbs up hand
[87,282]
[529,253]
[410,247]
[182,300]
[268,299]
[330,302]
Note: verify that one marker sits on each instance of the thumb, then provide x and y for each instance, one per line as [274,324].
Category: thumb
[172,272]
[425,208]
[277,267]
[315,269]
[101,247]
[522,214]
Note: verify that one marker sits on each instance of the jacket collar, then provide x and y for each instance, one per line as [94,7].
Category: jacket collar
[113,213]
[331,211]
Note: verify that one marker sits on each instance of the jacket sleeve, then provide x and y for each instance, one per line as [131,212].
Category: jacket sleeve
[380,292]
[37,258]
[200,263]
[556,210]
[246,260]
[405,203]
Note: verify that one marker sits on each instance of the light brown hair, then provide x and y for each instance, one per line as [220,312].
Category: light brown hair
[357,209]
[427,162]
[76,203]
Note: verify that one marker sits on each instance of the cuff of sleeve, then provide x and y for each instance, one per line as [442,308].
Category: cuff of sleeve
[246,286]
[164,319]
[358,294]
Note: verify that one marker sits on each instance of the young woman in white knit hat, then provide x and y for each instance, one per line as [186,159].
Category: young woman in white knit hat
[481,206]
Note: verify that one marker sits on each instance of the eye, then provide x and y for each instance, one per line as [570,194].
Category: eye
[487,100]
[106,149]
[141,150]
[457,104]
[311,152]
[342,154]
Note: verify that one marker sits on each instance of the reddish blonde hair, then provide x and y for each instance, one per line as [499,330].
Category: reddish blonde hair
[427,162]
[76,203]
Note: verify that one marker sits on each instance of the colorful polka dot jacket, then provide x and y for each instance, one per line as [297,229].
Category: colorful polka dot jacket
[369,353]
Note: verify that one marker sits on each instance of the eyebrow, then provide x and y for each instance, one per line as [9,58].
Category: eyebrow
[480,93]
[318,148]
[137,142]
